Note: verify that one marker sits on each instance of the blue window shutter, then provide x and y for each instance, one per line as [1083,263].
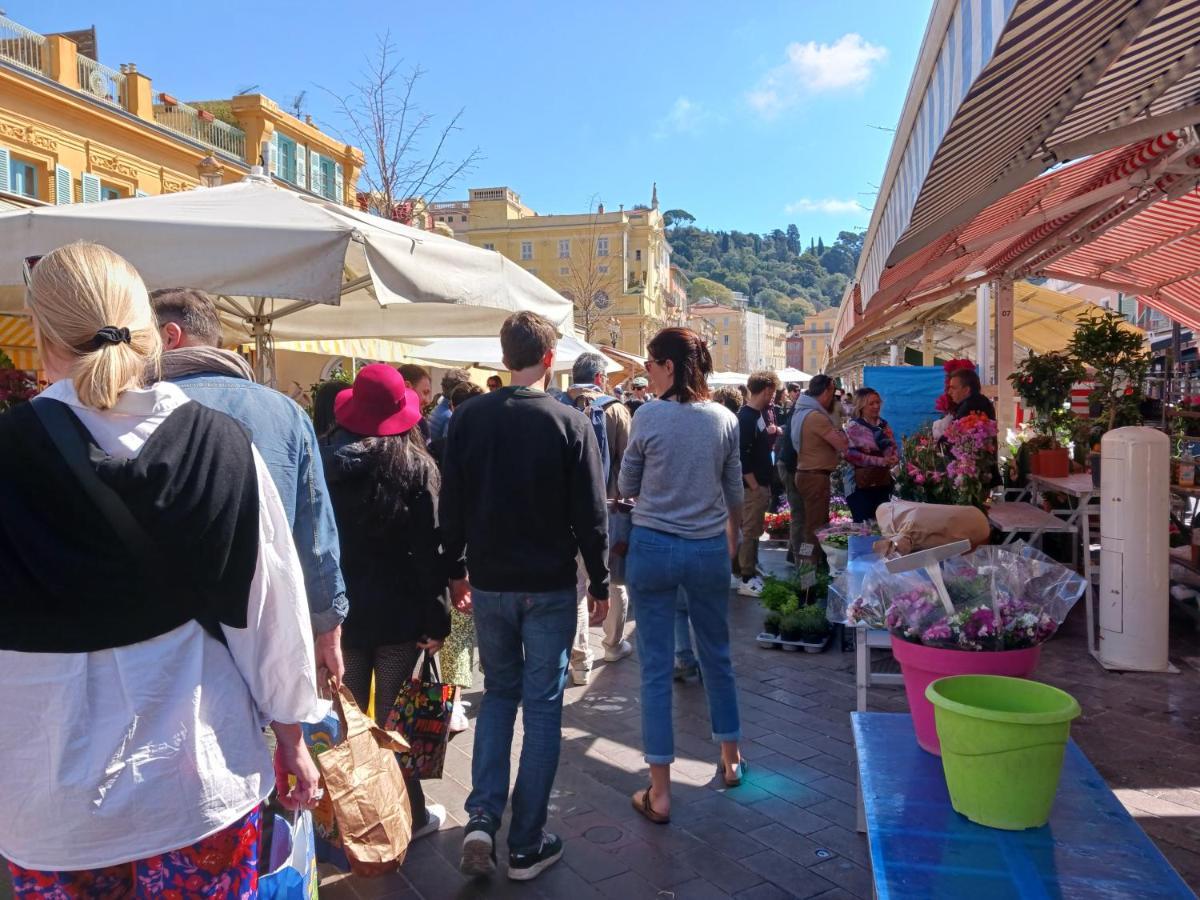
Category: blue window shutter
[340,184]
[273,163]
[5,162]
[89,187]
[63,188]
[314,165]
[301,160]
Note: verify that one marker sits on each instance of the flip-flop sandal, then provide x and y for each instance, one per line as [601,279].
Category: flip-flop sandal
[643,806]
[739,773]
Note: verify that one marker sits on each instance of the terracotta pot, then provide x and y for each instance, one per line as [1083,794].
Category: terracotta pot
[1053,463]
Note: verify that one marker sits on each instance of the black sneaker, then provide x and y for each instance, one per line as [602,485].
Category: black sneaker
[527,866]
[479,847]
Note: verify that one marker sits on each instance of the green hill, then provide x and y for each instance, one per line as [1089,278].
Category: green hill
[784,279]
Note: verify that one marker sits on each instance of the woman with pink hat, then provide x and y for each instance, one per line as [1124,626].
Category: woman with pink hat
[384,487]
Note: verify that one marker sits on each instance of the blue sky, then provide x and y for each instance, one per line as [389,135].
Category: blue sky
[750,115]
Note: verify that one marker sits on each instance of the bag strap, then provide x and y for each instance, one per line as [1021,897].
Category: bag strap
[63,427]
[429,669]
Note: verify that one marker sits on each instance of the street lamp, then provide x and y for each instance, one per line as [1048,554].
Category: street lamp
[614,330]
[212,173]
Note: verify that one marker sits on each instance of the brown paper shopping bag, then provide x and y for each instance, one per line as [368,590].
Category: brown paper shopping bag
[366,789]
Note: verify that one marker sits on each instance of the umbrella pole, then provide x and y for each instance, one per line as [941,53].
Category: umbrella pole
[264,368]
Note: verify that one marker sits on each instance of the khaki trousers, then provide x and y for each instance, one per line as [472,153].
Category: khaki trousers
[796,507]
[754,509]
[614,622]
[814,490]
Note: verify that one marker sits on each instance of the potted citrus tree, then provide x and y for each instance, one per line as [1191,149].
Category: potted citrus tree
[1043,381]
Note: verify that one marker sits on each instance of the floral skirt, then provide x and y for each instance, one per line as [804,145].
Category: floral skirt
[222,866]
[456,660]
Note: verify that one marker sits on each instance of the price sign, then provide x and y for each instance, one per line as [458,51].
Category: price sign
[806,550]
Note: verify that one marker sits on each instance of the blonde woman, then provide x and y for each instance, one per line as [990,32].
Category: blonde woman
[153,617]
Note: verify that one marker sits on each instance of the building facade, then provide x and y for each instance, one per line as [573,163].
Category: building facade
[775,344]
[614,266]
[74,130]
[816,337]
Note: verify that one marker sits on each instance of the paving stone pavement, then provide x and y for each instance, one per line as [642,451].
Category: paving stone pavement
[788,831]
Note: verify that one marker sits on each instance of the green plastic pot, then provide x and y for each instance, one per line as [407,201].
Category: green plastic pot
[1002,743]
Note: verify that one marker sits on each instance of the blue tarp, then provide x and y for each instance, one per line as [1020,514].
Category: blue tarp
[909,393]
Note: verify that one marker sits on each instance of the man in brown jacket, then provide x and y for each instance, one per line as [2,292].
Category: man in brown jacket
[587,393]
[819,445]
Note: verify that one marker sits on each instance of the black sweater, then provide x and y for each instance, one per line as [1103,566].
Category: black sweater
[523,493]
[755,445]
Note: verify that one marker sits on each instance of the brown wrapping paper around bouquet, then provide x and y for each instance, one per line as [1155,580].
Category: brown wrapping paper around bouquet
[907,527]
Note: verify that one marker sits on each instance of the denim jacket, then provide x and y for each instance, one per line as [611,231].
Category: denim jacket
[285,438]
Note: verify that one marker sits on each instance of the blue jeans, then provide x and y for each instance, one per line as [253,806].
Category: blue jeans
[684,655]
[659,565]
[524,642]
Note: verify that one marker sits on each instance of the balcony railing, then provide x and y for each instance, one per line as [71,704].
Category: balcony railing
[202,127]
[22,47]
[100,81]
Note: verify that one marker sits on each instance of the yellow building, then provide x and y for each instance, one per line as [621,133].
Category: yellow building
[74,130]
[775,344]
[615,266]
[816,333]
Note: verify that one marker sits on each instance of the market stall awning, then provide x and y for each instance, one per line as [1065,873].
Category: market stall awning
[1003,91]
[796,375]
[1043,321]
[16,342]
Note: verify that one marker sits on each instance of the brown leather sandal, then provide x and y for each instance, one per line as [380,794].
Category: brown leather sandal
[738,775]
[643,806]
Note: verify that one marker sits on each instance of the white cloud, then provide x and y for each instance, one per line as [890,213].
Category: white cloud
[813,68]
[829,205]
[685,117]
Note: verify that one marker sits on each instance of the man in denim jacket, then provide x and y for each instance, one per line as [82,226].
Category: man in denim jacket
[284,436]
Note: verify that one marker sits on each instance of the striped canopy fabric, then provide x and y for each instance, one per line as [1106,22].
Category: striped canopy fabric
[16,342]
[1003,91]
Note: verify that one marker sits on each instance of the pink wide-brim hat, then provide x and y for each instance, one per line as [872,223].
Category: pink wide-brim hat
[378,404]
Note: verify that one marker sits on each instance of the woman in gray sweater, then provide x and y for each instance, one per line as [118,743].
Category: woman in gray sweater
[683,466]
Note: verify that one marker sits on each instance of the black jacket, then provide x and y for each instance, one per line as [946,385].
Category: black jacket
[976,403]
[523,493]
[395,571]
[755,445]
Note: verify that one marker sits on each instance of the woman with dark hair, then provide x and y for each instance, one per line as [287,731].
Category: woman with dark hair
[323,396]
[383,484]
[871,454]
[683,464]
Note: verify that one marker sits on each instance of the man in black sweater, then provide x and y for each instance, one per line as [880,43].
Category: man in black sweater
[757,432]
[522,494]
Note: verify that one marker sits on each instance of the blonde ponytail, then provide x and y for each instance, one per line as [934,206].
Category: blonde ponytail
[93,313]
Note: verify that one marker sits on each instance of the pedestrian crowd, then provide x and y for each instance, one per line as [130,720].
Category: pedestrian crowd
[190,559]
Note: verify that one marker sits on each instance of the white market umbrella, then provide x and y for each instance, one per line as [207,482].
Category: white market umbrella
[727,379]
[486,353]
[790,374]
[289,266]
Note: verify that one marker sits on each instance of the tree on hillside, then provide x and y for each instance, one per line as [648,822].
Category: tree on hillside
[677,217]
[704,287]
[793,239]
[383,118]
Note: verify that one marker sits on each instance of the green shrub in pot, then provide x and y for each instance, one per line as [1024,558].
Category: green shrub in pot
[813,626]
[771,622]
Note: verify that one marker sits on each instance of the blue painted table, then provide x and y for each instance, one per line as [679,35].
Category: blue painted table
[922,849]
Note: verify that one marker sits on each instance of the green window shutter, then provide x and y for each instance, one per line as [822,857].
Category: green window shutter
[340,185]
[314,166]
[301,165]
[5,162]
[89,187]
[274,154]
[64,190]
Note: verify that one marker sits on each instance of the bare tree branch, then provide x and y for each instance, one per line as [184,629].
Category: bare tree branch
[381,115]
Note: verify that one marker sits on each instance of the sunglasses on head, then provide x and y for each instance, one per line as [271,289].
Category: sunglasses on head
[27,267]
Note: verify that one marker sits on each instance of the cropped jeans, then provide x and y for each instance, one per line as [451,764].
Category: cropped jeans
[524,641]
[659,565]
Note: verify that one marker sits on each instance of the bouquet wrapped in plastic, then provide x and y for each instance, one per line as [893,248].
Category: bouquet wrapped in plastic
[1001,598]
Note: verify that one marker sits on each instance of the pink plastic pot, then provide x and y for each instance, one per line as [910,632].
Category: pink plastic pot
[922,665]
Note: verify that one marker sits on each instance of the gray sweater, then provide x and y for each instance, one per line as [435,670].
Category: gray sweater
[683,464]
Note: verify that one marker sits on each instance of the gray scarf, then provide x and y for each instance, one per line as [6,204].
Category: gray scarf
[204,361]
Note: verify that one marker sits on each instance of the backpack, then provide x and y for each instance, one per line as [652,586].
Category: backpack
[592,406]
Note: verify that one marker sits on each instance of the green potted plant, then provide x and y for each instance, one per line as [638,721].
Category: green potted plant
[771,623]
[812,628]
[779,598]
[1119,362]
[790,629]
[1043,381]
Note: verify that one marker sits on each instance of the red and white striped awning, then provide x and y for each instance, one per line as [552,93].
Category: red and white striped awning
[1003,91]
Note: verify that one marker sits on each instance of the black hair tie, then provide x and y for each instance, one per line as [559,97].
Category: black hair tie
[111,334]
